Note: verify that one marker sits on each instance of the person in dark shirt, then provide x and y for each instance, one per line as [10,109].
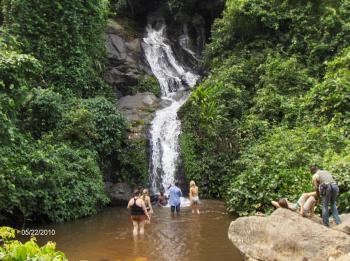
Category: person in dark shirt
[138,213]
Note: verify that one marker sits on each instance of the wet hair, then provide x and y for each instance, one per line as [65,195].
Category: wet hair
[192,183]
[136,193]
[283,203]
[313,169]
[176,183]
[144,192]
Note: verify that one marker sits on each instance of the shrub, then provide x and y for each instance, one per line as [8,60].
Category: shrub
[148,84]
[134,161]
[277,166]
[52,182]
[94,124]
[331,98]
[15,250]
[276,99]
[44,111]
[66,36]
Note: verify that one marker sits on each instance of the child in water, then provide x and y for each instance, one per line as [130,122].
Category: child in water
[194,199]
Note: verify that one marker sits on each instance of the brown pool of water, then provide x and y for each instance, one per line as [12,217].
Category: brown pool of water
[108,236]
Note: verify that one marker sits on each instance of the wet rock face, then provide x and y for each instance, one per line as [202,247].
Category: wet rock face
[138,110]
[125,64]
[119,193]
[286,235]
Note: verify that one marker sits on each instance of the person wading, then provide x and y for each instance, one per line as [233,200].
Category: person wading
[194,199]
[174,198]
[147,200]
[329,191]
[138,213]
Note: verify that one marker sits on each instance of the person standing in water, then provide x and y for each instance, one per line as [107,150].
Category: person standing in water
[147,200]
[174,198]
[194,199]
[138,213]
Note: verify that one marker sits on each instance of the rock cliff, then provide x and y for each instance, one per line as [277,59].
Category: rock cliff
[125,64]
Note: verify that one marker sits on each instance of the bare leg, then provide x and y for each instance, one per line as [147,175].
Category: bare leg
[192,207]
[310,205]
[301,203]
[148,221]
[136,228]
[142,227]
[197,207]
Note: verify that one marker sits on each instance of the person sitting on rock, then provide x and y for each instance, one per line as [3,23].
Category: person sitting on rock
[305,205]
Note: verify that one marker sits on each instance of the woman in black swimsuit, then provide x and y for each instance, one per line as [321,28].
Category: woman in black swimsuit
[138,213]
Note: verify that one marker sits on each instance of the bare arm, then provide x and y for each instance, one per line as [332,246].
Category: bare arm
[310,194]
[301,210]
[143,205]
[315,181]
[129,204]
[149,204]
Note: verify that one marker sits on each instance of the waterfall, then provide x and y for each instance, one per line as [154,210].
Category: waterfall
[174,81]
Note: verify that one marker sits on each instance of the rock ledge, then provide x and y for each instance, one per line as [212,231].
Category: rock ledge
[285,235]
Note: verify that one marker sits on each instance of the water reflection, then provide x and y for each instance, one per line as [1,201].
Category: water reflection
[108,236]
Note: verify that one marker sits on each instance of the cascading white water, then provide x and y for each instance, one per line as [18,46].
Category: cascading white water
[165,127]
[184,41]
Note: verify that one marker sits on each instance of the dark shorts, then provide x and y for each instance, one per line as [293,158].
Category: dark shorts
[138,218]
[173,208]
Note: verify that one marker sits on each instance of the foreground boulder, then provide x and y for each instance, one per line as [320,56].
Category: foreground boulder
[345,225]
[285,235]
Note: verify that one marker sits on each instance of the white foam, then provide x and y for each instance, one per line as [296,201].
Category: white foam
[165,127]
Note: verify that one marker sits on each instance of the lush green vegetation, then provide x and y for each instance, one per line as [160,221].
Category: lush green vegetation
[275,101]
[15,250]
[134,161]
[60,129]
[148,84]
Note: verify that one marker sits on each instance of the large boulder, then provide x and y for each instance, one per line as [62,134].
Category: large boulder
[285,235]
[343,258]
[345,225]
[139,111]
